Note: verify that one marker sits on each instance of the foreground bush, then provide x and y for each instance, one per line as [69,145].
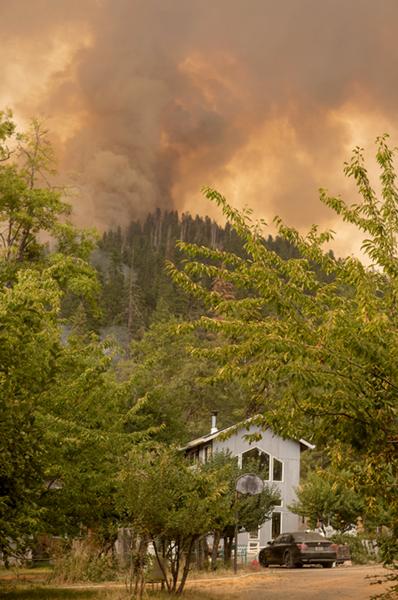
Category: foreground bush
[362,549]
[84,561]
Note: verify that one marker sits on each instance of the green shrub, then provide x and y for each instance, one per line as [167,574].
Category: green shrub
[360,547]
[83,561]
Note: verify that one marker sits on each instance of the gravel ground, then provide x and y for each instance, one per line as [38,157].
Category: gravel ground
[308,583]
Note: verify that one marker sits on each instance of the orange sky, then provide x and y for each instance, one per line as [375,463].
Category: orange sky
[150,100]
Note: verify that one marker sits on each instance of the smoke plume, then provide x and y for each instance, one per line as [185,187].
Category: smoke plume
[150,100]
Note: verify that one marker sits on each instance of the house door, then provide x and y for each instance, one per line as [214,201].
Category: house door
[276,524]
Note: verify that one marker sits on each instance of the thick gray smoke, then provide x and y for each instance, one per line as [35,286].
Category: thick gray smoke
[150,100]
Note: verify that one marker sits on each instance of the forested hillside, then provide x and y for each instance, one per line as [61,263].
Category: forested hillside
[136,290]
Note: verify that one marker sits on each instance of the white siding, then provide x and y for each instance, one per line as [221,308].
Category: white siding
[285,450]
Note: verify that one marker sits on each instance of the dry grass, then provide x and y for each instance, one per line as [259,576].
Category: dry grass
[201,586]
[44,593]
[30,584]
[50,593]
[37,574]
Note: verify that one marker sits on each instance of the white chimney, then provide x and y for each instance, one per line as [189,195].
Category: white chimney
[214,422]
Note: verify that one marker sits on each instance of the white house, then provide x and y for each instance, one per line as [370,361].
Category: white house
[281,459]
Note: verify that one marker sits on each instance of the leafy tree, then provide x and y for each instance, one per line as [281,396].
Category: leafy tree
[63,415]
[172,505]
[28,348]
[175,379]
[7,132]
[326,498]
[26,208]
[31,209]
[84,422]
[319,355]
[64,422]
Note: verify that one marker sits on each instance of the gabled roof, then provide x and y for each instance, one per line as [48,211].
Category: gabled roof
[308,445]
[200,441]
[206,438]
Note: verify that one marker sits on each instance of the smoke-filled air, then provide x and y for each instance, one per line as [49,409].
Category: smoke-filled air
[148,101]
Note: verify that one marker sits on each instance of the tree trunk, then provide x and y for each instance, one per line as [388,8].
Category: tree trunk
[198,555]
[228,541]
[161,563]
[205,553]
[214,551]
[201,553]
[186,566]
[139,568]
[175,565]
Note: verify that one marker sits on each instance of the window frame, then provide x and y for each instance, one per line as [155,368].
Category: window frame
[259,450]
[281,480]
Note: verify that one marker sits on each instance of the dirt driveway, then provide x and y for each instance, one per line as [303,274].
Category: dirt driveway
[309,583]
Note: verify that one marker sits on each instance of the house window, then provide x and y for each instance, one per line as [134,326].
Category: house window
[256,459]
[253,535]
[275,524]
[277,470]
[194,456]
